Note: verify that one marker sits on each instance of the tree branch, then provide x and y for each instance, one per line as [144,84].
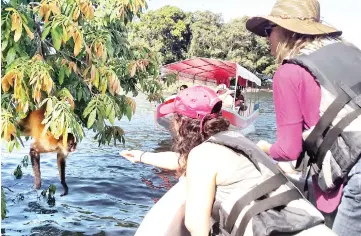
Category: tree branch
[35,3]
[83,82]
[66,54]
[38,32]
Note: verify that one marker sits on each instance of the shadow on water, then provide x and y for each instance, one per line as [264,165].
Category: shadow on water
[108,195]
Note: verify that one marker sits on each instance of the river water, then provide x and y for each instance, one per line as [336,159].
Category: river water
[108,195]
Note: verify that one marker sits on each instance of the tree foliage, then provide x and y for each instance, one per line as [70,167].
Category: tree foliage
[244,47]
[74,58]
[207,37]
[204,34]
[165,30]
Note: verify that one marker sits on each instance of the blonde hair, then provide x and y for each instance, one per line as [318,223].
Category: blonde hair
[293,44]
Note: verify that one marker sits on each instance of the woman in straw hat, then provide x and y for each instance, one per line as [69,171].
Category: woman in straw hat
[315,62]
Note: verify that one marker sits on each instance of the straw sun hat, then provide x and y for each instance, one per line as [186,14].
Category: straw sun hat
[299,16]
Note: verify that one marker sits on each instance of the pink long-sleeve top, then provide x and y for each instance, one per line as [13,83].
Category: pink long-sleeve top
[297,98]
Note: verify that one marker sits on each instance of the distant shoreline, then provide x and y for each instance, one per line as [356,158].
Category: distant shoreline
[174,88]
[266,90]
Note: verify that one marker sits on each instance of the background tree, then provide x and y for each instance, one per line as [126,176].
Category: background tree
[177,35]
[74,57]
[244,47]
[165,30]
[207,35]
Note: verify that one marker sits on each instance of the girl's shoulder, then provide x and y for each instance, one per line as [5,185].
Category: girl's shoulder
[210,148]
[213,154]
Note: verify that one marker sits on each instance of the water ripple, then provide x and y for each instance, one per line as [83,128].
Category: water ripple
[108,195]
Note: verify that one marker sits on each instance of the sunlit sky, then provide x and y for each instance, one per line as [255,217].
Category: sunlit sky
[344,15]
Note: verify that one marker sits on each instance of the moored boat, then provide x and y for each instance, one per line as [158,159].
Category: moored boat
[239,85]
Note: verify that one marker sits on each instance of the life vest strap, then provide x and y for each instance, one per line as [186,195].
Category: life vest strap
[325,121]
[332,135]
[249,157]
[281,199]
[262,189]
[352,92]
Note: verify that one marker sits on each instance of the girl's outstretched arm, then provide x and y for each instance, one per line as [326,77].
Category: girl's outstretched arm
[164,160]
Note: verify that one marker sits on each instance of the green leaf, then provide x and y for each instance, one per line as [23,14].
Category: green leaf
[9,9]
[61,75]
[102,110]
[11,55]
[108,109]
[4,44]
[100,124]
[103,86]
[61,122]
[52,189]
[112,116]
[18,172]
[3,204]
[79,94]
[25,161]
[44,101]
[129,113]
[64,93]
[56,35]
[67,71]
[96,81]
[11,146]
[65,35]
[91,118]
[89,108]
[104,55]
[25,20]
[45,33]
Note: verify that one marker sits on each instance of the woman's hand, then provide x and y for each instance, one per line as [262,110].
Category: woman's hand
[264,146]
[133,156]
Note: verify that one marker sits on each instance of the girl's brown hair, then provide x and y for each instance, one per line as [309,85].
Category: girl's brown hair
[189,134]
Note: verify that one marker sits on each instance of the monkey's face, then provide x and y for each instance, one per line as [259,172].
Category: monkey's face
[71,146]
[71,143]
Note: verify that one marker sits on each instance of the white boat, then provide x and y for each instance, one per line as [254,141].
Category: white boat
[213,72]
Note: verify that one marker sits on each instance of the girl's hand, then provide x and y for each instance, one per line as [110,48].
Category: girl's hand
[264,146]
[133,156]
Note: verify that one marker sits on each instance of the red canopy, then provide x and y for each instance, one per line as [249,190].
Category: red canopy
[206,69]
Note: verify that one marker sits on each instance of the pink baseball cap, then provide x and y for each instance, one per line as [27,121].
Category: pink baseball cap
[194,102]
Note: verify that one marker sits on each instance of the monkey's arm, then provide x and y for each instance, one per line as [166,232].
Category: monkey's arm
[61,160]
[35,162]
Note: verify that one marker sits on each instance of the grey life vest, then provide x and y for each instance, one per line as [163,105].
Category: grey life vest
[333,145]
[275,205]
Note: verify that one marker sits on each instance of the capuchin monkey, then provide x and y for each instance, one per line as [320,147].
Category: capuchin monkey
[44,143]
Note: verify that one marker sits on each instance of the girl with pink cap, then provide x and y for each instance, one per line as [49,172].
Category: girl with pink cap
[230,187]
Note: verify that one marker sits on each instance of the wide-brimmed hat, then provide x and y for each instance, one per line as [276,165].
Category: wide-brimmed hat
[299,16]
